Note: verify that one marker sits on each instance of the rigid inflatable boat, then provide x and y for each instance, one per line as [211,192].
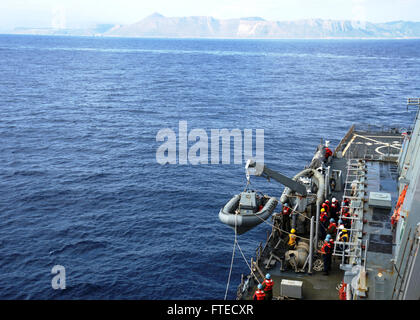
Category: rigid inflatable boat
[247,210]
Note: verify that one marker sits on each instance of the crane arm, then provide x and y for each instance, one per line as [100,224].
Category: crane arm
[263,171]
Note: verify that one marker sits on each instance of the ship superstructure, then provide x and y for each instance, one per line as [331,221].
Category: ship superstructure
[375,174]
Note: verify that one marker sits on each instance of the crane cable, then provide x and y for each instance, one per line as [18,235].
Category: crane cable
[275,227]
[231,263]
[236,243]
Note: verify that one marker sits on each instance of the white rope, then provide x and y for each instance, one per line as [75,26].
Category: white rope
[246,261]
[275,227]
[231,263]
[236,243]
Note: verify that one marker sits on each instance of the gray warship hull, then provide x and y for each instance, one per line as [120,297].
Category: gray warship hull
[378,171]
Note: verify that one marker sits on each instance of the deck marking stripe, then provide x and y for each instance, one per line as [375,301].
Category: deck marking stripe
[349,144]
[380,142]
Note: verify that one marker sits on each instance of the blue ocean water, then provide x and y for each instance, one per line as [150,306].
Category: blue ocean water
[79,182]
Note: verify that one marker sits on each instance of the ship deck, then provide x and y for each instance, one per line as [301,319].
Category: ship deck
[380,150]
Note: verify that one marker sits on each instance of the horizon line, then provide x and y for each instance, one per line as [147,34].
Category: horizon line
[204,38]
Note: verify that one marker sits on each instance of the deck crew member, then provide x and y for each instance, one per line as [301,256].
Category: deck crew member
[326,252]
[328,152]
[259,293]
[286,216]
[346,202]
[343,237]
[326,207]
[292,239]
[332,228]
[335,208]
[332,243]
[345,214]
[268,287]
[323,218]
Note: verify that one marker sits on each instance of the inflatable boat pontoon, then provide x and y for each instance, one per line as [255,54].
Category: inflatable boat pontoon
[247,210]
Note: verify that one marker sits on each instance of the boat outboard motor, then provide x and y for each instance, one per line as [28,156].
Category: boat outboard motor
[248,203]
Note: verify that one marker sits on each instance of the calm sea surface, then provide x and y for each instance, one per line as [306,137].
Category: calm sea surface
[79,182]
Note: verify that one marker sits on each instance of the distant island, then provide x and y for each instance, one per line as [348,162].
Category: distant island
[157,25]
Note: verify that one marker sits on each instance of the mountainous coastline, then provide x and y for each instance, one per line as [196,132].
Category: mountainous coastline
[157,25]
[95,30]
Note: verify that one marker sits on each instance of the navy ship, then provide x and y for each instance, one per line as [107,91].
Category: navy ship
[370,186]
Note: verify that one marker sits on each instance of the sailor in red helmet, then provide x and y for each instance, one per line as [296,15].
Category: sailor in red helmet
[268,287]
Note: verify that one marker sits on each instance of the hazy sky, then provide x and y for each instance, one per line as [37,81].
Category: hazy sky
[74,13]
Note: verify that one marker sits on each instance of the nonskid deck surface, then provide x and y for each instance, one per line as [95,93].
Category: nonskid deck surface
[371,145]
[381,178]
[316,286]
[380,150]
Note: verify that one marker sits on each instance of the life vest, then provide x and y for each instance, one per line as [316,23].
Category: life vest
[346,219]
[286,211]
[326,207]
[344,237]
[268,285]
[346,202]
[328,152]
[292,240]
[396,216]
[259,294]
[332,227]
[323,217]
[326,248]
